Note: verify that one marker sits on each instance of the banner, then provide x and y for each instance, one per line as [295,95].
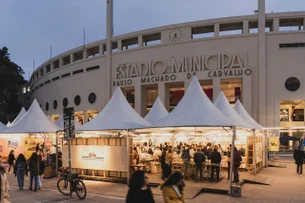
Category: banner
[274,144]
[109,158]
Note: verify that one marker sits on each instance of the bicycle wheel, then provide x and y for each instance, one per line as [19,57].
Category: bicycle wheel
[80,189]
[63,186]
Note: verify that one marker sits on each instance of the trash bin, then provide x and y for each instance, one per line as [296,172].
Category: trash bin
[48,172]
[236,191]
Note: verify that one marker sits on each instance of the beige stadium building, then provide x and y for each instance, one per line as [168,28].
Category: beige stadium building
[258,59]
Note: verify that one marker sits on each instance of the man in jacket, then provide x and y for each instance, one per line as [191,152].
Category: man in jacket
[215,164]
[237,163]
[298,156]
[199,158]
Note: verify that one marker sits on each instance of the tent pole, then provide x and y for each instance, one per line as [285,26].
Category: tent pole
[56,164]
[254,150]
[232,159]
[45,146]
[266,148]
[128,156]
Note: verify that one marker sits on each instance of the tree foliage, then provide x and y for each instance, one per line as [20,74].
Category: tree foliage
[11,76]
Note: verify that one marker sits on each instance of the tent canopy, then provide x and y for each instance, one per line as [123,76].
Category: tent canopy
[20,115]
[60,123]
[194,109]
[117,115]
[224,107]
[2,127]
[34,121]
[244,114]
[157,112]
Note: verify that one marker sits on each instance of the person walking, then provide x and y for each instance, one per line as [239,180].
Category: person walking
[215,164]
[229,160]
[11,161]
[5,188]
[20,169]
[199,158]
[34,171]
[237,163]
[173,189]
[139,191]
[298,156]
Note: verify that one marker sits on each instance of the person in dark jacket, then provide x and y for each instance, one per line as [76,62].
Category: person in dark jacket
[237,163]
[163,163]
[199,158]
[34,166]
[298,156]
[20,169]
[139,192]
[11,160]
[215,164]
[186,161]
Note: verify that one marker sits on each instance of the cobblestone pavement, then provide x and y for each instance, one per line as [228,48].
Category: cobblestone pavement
[285,186]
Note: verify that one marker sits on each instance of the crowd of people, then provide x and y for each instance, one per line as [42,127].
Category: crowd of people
[194,154]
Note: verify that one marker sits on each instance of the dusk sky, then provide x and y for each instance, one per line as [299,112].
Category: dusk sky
[29,27]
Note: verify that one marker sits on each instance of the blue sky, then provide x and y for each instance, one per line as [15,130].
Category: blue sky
[29,27]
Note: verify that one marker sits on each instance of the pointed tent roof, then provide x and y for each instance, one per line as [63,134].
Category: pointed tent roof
[157,112]
[244,114]
[34,121]
[20,115]
[2,127]
[60,123]
[117,115]
[224,106]
[194,109]
[8,124]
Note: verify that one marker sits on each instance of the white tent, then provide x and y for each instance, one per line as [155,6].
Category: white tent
[224,106]
[194,109]
[20,115]
[117,115]
[2,127]
[34,121]
[244,114]
[60,123]
[157,112]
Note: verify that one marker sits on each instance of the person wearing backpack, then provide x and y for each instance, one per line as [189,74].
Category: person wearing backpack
[20,169]
[237,163]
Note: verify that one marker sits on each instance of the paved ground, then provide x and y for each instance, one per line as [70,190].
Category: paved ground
[286,186]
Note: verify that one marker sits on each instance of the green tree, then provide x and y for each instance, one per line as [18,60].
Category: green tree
[11,76]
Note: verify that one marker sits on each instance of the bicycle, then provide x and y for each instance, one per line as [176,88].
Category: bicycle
[77,186]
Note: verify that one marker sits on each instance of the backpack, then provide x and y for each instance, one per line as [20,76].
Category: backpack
[21,165]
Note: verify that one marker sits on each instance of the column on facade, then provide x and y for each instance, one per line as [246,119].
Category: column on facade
[216,30]
[140,41]
[61,62]
[85,117]
[216,88]
[246,94]
[71,58]
[303,23]
[276,25]
[101,49]
[119,45]
[245,27]
[140,100]
[85,55]
[163,93]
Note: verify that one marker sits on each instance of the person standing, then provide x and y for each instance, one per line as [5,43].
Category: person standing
[229,160]
[173,189]
[298,156]
[139,191]
[11,161]
[237,163]
[53,156]
[5,189]
[199,158]
[42,166]
[215,164]
[34,171]
[163,164]
[186,161]
[20,169]
[37,147]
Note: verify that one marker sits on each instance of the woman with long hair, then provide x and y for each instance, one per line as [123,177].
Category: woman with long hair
[20,170]
[11,160]
[139,191]
[34,171]
[173,189]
